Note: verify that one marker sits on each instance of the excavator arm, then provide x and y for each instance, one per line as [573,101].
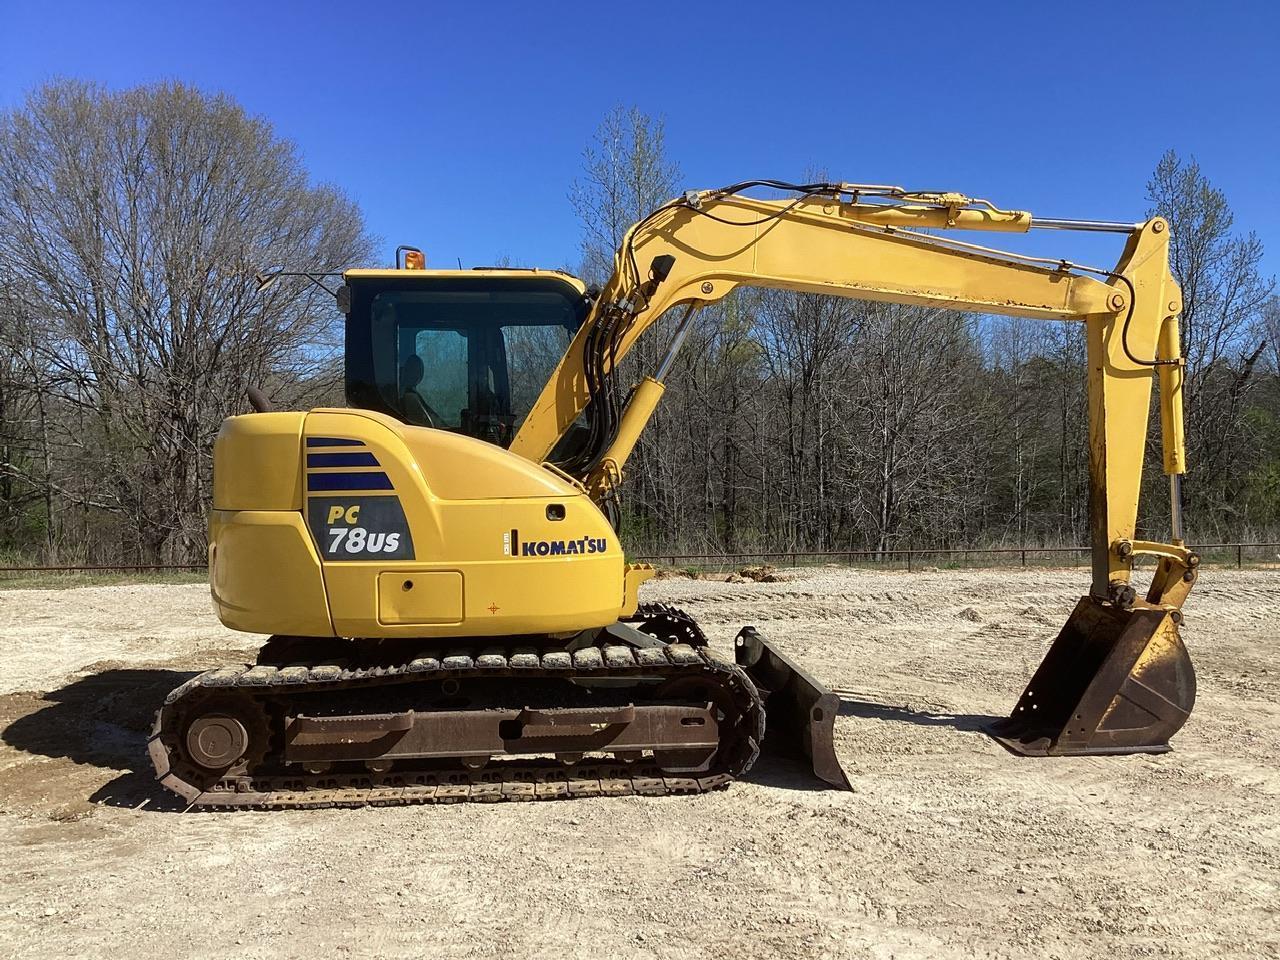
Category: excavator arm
[1117,679]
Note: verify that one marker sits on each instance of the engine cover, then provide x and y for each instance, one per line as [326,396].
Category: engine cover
[350,523]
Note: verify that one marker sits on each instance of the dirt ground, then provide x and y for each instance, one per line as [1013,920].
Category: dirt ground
[948,847]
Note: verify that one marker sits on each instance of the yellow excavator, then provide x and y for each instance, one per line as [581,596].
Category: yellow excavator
[451,613]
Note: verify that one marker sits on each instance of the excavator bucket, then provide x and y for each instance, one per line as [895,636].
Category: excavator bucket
[1115,681]
[800,713]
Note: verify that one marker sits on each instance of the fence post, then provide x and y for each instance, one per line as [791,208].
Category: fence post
[1239,555]
[1024,558]
[908,559]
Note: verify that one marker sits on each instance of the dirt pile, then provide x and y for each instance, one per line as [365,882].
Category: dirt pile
[763,573]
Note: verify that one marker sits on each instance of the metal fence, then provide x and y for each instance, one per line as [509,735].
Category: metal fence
[1214,553]
[912,559]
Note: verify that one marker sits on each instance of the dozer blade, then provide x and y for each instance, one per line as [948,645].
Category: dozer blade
[1114,681]
[800,713]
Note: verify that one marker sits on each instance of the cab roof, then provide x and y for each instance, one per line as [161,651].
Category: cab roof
[497,273]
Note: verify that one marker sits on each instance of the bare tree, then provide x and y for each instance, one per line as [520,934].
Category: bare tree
[625,175]
[136,221]
[805,341]
[1222,329]
[24,449]
[1271,331]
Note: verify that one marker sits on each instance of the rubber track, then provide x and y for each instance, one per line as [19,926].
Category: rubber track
[507,780]
[673,617]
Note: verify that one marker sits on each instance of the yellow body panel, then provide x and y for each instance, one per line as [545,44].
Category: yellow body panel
[493,544]
[264,573]
[264,449]
[415,598]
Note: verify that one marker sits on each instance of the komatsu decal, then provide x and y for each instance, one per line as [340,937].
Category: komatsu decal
[551,548]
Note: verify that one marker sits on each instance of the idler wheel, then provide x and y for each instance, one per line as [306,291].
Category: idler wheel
[216,741]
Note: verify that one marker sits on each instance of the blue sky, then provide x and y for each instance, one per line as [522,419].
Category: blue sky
[461,127]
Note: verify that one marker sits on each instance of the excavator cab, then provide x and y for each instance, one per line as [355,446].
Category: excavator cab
[464,353]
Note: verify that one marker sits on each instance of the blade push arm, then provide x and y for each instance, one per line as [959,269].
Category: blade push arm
[697,250]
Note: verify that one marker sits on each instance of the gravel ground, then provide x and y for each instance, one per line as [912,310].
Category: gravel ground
[948,846]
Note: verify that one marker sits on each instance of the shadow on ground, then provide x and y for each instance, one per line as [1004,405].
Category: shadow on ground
[101,724]
[851,706]
[784,770]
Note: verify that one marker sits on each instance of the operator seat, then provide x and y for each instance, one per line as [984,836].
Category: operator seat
[411,402]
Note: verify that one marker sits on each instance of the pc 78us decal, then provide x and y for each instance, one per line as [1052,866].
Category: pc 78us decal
[359,528]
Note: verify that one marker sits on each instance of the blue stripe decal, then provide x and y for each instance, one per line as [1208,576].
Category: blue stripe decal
[333,442]
[341,460]
[348,481]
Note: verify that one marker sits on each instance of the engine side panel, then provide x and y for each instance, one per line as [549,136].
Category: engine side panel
[264,573]
[352,509]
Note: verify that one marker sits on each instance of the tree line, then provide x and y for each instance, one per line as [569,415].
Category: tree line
[132,224]
[805,422]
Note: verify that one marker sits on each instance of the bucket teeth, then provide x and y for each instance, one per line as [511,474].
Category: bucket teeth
[1115,681]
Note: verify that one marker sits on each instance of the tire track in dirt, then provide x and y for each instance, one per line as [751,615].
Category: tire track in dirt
[948,846]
